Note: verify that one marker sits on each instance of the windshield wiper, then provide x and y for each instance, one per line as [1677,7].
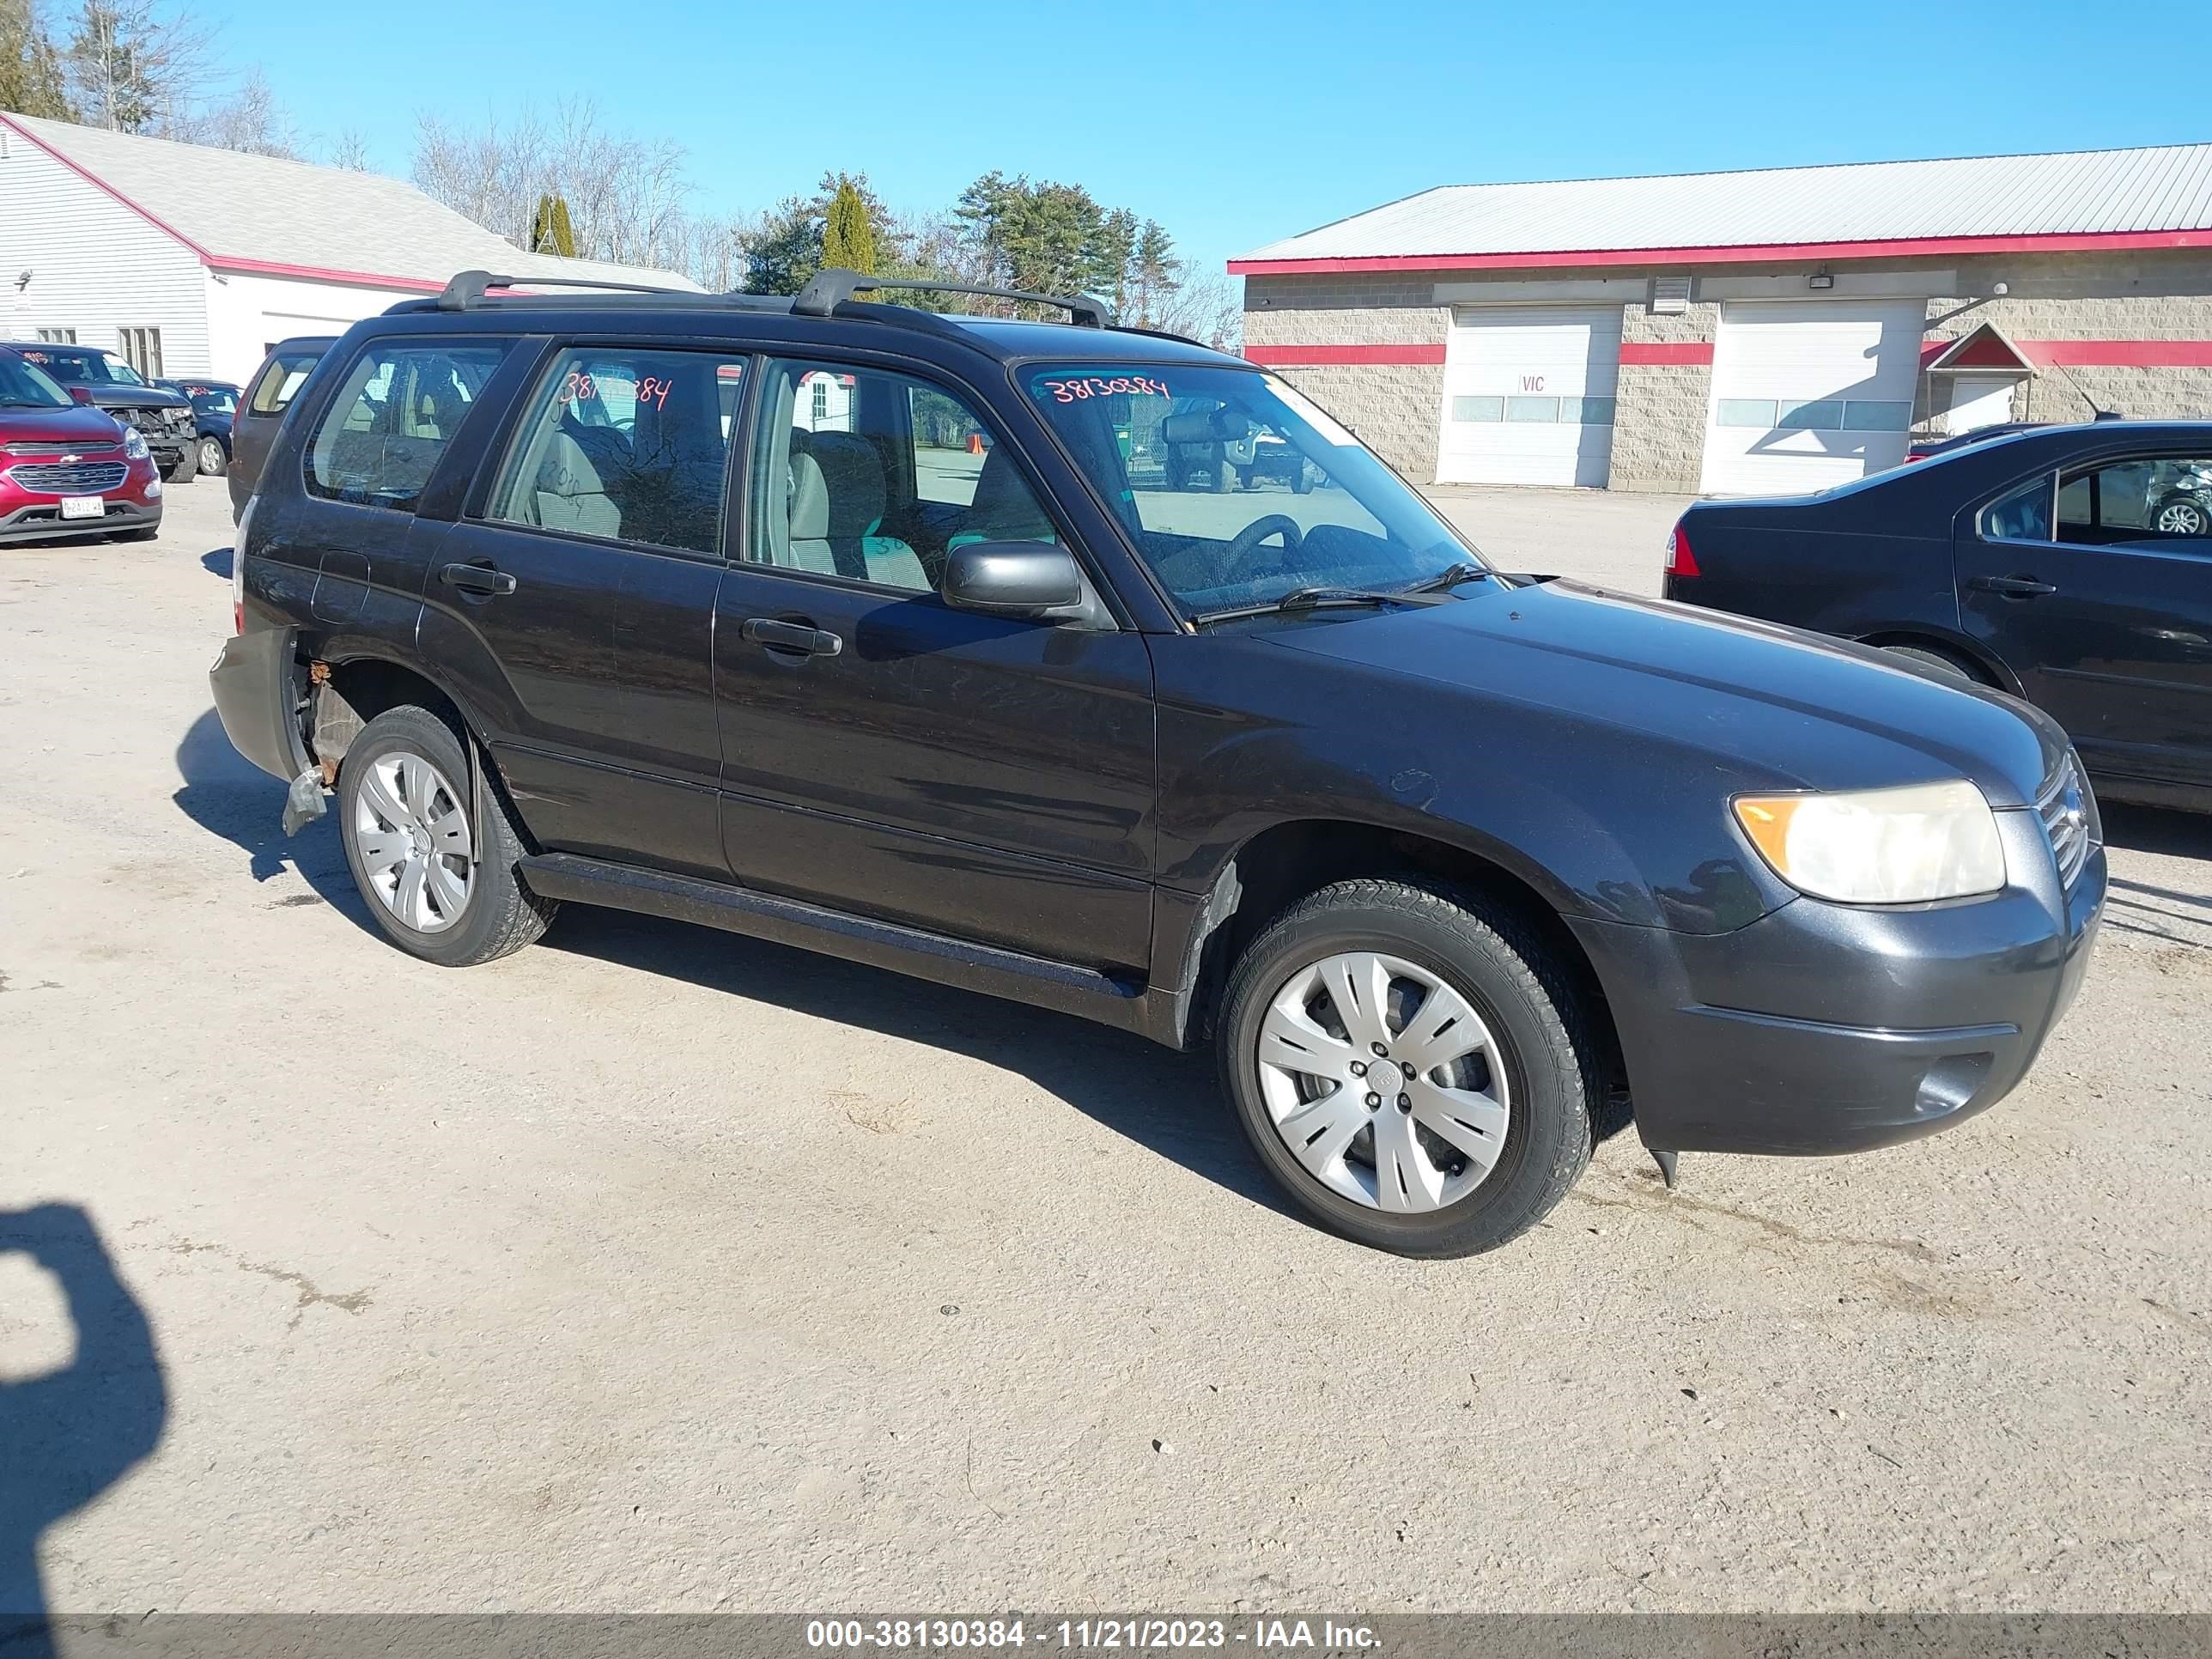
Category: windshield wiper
[1320,599]
[1450,577]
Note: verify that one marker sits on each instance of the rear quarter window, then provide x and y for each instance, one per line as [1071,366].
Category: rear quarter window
[401,405]
[280,381]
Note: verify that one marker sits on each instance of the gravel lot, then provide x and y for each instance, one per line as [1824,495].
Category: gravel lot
[653,1268]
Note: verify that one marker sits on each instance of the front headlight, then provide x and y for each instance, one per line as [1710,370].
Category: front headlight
[1927,841]
[134,445]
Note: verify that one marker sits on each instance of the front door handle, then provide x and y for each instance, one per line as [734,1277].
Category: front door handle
[2011,587]
[800,636]
[476,579]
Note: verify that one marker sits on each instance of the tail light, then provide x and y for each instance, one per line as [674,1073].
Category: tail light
[1680,561]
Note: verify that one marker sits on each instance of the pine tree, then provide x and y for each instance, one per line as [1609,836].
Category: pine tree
[848,239]
[549,231]
[31,78]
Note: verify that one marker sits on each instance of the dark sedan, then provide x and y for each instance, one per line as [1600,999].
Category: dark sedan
[2069,565]
[215,404]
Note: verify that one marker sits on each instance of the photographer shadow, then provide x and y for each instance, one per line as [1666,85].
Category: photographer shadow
[69,1435]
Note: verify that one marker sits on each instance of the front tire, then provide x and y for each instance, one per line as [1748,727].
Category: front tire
[212,459]
[412,837]
[1488,1068]
[183,469]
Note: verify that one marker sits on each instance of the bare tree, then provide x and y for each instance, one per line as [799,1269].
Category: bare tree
[625,193]
[133,66]
[349,150]
[251,120]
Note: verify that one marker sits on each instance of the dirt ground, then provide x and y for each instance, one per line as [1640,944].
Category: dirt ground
[657,1269]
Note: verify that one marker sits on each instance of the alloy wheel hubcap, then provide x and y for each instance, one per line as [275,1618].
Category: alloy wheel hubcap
[412,835]
[1384,1082]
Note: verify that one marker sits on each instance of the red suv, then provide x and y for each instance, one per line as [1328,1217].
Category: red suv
[66,469]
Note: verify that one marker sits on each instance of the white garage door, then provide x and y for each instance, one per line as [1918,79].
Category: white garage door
[1809,392]
[1528,395]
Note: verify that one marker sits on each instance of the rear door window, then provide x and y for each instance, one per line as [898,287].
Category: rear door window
[403,403]
[625,444]
[2138,501]
[280,381]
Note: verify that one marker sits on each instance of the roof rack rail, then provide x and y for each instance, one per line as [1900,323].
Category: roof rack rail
[828,289]
[468,288]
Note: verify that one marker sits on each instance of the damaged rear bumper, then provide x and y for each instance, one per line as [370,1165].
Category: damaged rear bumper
[255,682]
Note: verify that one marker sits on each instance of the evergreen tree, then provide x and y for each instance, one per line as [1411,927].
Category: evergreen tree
[550,230]
[784,250]
[31,78]
[848,239]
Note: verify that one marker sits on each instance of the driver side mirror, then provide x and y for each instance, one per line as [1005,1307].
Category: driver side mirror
[1012,578]
[81,393]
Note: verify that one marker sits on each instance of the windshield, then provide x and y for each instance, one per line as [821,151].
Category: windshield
[88,367]
[208,400]
[22,385]
[1236,489]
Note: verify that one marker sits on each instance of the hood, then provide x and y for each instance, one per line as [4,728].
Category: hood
[59,427]
[107,394]
[1774,707]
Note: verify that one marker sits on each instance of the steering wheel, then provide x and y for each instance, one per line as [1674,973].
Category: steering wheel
[1248,540]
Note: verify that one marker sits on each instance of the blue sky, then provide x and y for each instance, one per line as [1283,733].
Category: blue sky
[1236,123]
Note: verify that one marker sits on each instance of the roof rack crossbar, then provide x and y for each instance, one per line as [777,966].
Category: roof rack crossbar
[467,289]
[828,289]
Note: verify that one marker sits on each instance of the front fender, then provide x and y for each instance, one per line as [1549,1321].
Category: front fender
[1602,822]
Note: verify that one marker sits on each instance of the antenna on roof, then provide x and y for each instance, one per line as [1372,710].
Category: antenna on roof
[828,289]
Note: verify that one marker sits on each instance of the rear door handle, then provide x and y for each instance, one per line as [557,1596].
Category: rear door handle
[476,579]
[2011,587]
[791,636]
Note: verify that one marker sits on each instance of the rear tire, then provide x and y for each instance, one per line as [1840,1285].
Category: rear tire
[212,460]
[1950,663]
[1407,1174]
[408,825]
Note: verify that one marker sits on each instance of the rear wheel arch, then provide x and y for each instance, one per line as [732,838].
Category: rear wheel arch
[1966,654]
[363,685]
[1286,863]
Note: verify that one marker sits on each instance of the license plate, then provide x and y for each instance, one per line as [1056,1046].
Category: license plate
[84,506]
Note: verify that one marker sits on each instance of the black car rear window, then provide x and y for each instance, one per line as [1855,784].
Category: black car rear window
[402,401]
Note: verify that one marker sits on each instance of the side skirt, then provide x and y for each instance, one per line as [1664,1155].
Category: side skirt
[961,963]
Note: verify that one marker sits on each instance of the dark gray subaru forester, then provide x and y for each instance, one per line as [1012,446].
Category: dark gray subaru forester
[962,647]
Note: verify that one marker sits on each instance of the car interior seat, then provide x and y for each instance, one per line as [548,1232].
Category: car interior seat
[853,475]
[568,493]
[1004,509]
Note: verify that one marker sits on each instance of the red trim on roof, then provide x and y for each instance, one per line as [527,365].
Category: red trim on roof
[1916,246]
[103,186]
[1681,351]
[2120,354]
[321,274]
[1303,356]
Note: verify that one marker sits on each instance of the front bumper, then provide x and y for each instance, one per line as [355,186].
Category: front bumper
[40,519]
[1829,1028]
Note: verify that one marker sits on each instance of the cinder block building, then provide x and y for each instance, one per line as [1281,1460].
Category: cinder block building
[1747,333]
